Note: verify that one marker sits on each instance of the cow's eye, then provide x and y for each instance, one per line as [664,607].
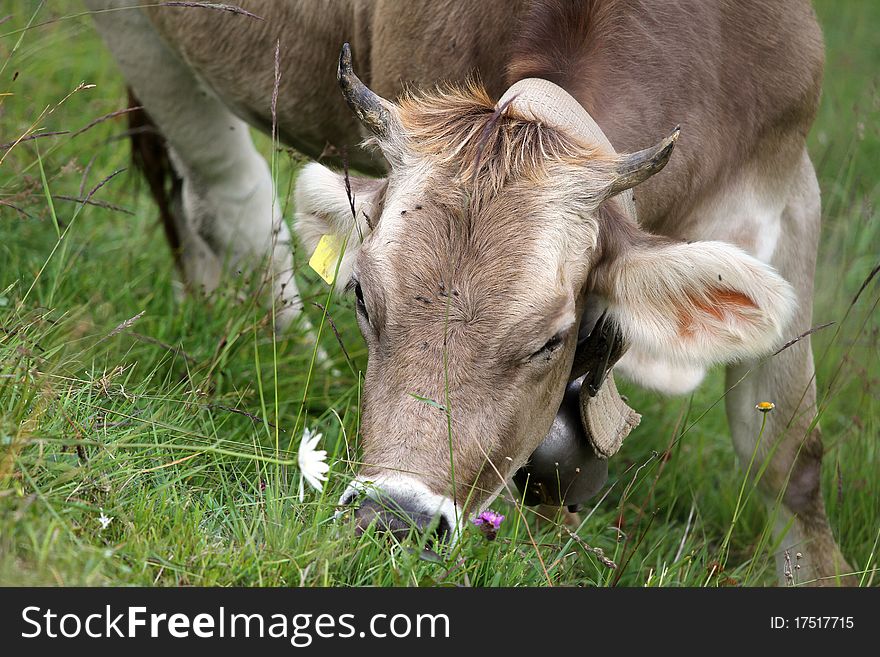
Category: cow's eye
[361,304]
[550,347]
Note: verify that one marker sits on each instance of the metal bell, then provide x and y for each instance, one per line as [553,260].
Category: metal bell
[564,470]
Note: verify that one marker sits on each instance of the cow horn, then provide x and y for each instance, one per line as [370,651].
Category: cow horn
[638,167]
[371,109]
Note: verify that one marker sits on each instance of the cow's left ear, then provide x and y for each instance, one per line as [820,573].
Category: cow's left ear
[696,303]
[323,208]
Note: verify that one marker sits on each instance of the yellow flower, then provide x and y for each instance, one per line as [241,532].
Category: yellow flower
[765,407]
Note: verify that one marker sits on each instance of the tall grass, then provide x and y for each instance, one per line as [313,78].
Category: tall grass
[182,423]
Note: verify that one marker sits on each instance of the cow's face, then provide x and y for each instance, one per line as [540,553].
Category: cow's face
[471,263]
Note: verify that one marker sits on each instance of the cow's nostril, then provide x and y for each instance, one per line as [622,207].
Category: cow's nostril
[398,519]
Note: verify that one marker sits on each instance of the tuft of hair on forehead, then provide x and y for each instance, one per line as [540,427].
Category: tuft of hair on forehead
[459,127]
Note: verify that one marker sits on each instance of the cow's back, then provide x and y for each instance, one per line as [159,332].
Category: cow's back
[394,44]
[742,78]
[738,76]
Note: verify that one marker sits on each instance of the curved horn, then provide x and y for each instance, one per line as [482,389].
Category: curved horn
[638,167]
[371,110]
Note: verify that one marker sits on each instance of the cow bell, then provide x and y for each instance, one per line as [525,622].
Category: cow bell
[564,470]
[571,464]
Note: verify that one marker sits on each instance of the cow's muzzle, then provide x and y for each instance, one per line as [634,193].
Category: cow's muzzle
[399,505]
[397,519]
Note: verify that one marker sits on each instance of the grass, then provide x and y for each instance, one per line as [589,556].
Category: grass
[182,423]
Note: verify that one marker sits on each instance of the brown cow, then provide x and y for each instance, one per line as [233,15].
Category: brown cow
[498,227]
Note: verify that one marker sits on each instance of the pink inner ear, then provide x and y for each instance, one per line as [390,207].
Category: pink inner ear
[718,303]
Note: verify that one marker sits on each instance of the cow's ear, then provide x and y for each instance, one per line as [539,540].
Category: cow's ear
[693,304]
[323,207]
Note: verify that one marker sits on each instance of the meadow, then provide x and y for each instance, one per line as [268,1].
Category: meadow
[150,438]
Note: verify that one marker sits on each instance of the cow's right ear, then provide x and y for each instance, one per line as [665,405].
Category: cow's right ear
[323,207]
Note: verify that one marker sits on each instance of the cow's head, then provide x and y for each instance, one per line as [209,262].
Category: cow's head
[471,262]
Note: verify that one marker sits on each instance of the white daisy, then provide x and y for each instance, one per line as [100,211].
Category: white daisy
[312,462]
[104,520]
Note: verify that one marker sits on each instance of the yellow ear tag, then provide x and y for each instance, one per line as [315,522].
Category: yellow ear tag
[326,256]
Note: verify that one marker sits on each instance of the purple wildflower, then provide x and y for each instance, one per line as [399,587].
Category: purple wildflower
[489,522]
[489,517]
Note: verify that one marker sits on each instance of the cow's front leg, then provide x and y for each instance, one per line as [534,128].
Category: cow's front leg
[790,444]
[231,220]
[792,450]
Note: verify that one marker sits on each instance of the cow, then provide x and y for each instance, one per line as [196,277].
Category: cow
[519,207]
